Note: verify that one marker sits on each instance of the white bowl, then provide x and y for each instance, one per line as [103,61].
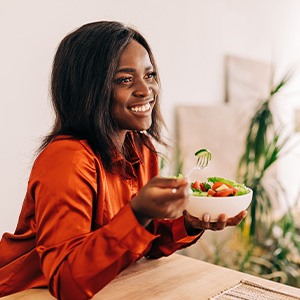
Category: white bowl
[214,206]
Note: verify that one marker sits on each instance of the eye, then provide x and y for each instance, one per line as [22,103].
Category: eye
[151,75]
[123,80]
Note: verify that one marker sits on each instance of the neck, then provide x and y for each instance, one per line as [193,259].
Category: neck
[119,139]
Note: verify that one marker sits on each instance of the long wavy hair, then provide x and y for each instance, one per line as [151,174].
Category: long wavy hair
[81,86]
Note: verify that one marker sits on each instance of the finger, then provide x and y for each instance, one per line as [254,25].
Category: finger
[237,219]
[172,195]
[168,198]
[205,222]
[193,221]
[174,209]
[165,182]
[222,221]
[181,191]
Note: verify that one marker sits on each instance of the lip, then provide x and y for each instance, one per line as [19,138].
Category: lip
[141,102]
[151,103]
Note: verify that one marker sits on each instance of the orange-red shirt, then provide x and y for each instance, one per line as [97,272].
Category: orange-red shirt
[76,231]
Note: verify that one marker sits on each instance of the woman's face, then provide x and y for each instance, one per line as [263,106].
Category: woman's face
[134,89]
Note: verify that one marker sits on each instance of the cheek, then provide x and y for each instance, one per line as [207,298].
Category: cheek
[119,101]
[117,111]
[119,97]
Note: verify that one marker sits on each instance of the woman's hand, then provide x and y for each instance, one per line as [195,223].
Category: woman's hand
[193,224]
[160,198]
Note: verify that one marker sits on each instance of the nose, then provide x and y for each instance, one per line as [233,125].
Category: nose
[142,89]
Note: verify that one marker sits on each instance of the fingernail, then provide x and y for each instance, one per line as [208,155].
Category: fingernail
[206,218]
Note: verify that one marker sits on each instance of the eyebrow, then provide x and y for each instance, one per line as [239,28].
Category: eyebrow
[132,70]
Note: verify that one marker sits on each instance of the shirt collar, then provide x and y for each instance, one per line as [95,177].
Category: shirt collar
[134,156]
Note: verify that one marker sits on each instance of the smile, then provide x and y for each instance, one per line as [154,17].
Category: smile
[141,108]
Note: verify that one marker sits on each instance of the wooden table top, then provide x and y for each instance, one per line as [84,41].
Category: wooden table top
[173,277]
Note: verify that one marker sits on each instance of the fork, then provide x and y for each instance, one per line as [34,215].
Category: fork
[204,156]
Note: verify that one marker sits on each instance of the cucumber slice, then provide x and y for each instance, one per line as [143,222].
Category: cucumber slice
[204,152]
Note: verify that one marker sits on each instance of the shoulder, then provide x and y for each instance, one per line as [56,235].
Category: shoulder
[66,147]
[65,153]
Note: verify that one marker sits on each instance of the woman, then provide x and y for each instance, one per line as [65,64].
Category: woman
[94,203]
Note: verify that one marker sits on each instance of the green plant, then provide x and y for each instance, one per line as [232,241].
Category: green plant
[263,147]
[271,248]
[263,245]
[276,258]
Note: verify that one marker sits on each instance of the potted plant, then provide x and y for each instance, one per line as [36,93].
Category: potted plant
[271,247]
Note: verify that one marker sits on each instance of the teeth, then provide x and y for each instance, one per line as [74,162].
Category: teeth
[141,108]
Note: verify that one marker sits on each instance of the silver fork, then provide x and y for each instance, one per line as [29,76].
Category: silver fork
[202,161]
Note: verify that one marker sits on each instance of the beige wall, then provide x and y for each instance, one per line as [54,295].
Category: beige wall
[189,38]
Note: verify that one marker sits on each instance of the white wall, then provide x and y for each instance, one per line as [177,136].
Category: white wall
[189,38]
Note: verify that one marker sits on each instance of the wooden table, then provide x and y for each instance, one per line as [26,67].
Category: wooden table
[173,277]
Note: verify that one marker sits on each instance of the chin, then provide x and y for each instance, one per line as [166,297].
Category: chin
[143,127]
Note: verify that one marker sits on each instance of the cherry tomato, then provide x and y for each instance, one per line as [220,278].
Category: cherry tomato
[225,193]
[195,185]
[211,192]
[202,187]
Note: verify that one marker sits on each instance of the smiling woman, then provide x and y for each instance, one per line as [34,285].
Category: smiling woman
[135,89]
[95,203]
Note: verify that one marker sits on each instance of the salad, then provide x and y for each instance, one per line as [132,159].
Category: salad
[218,187]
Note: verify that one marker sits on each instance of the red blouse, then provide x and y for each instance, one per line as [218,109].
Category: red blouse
[77,231]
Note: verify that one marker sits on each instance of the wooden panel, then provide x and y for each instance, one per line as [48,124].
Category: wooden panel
[221,129]
[246,79]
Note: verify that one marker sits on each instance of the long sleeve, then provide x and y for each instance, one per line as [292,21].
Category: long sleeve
[172,236]
[79,267]
[76,230]
[76,261]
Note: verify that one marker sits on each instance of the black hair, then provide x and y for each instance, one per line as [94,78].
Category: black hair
[81,86]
